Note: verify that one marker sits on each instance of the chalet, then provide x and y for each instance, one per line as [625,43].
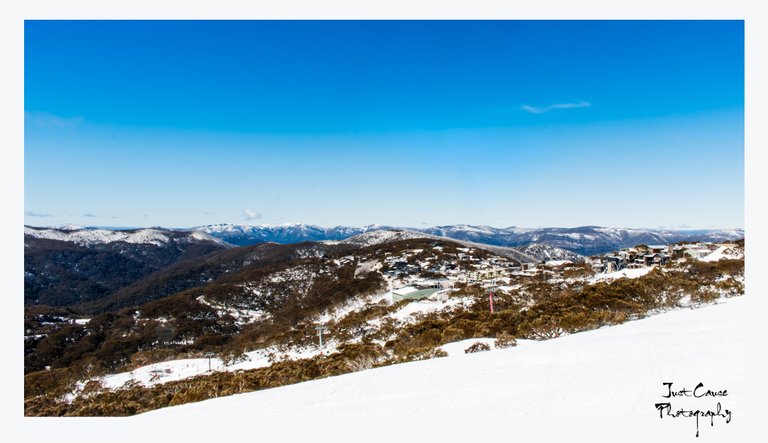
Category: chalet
[598,265]
[677,251]
[656,259]
[616,262]
[490,285]
[637,262]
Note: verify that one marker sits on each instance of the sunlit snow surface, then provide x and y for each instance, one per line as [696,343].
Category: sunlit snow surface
[609,372]
[723,252]
[624,273]
[88,237]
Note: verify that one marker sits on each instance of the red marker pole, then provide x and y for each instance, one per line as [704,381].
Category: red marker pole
[490,300]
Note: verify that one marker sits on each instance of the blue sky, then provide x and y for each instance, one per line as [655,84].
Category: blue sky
[525,123]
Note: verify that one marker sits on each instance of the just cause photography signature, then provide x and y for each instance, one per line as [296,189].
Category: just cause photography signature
[718,411]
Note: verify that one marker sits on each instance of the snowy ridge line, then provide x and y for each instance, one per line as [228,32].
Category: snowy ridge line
[96,236]
[504,251]
[584,240]
[384,236]
[87,237]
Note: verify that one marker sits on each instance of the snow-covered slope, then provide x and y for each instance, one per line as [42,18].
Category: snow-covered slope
[389,235]
[90,236]
[544,252]
[384,236]
[613,372]
[724,252]
[86,237]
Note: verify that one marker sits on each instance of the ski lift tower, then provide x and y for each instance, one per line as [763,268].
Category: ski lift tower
[209,356]
[320,329]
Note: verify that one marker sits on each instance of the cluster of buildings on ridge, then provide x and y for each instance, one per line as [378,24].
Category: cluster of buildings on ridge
[434,279]
[653,255]
[493,272]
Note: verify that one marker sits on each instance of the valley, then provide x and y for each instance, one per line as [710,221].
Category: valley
[249,318]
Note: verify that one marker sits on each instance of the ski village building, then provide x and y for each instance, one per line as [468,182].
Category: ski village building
[640,257]
[412,293]
[654,255]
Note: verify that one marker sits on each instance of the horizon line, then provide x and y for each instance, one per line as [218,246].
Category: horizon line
[660,228]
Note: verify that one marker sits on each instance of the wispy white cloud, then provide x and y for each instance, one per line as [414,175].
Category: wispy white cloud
[545,109]
[36,214]
[90,215]
[250,214]
[46,120]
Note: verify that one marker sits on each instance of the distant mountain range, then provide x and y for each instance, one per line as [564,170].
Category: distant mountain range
[244,235]
[69,265]
[585,240]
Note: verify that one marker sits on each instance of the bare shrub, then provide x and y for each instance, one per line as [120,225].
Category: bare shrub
[477,347]
[504,340]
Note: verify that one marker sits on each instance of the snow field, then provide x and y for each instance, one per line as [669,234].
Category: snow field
[609,372]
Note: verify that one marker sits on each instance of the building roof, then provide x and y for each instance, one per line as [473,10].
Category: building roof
[405,290]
